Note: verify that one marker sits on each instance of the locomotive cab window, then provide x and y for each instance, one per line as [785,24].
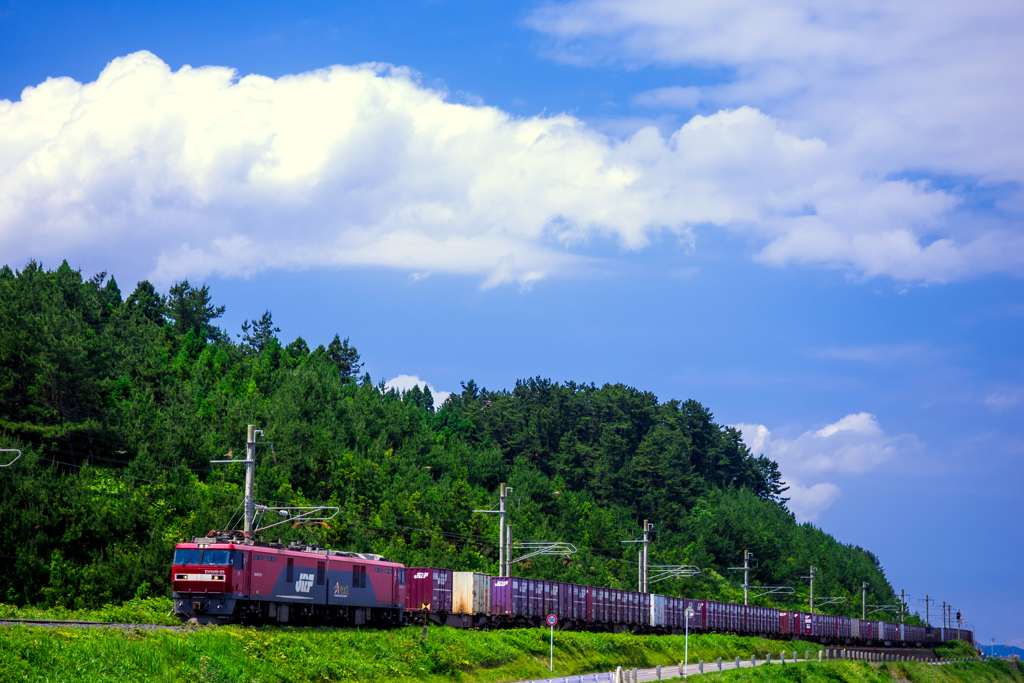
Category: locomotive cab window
[187,556]
[358,576]
[401,577]
[239,559]
[218,558]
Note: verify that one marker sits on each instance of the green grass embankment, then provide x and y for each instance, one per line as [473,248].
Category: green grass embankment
[278,655]
[957,649]
[135,611]
[889,672]
[273,655]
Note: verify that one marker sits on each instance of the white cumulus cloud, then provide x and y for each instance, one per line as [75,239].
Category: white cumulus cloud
[404,383]
[853,445]
[919,88]
[151,172]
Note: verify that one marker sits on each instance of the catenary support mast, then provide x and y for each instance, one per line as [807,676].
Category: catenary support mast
[250,478]
[643,562]
[502,550]
[812,589]
[746,577]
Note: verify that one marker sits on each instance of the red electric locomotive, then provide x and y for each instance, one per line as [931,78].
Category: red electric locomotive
[226,577]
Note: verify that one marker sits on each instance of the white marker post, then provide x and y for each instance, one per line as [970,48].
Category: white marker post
[686,650]
[552,620]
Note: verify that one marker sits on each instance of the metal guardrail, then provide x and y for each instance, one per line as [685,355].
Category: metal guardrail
[584,678]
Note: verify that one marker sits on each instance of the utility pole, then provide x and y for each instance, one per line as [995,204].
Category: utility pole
[643,578]
[501,531]
[811,577]
[746,576]
[864,600]
[945,621]
[812,589]
[641,558]
[508,554]
[250,477]
[295,514]
[504,548]
[903,603]
[927,612]
[640,570]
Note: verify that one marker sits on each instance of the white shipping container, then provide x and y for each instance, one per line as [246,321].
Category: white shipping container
[471,593]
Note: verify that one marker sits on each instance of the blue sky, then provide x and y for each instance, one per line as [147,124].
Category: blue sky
[807,215]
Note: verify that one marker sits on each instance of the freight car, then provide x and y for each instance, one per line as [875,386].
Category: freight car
[226,577]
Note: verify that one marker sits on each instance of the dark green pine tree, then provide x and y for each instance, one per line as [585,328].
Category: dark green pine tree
[191,310]
[345,357]
[147,303]
[259,334]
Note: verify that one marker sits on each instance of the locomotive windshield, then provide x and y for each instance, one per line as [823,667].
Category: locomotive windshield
[187,556]
[215,558]
[218,558]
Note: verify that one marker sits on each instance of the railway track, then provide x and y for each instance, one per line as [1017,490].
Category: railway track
[73,623]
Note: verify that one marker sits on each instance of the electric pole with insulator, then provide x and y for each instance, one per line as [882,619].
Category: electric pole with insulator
[864,600]
[501,531]
[643,578]
[504,547]
[811,577]
[250,478]
[746,576]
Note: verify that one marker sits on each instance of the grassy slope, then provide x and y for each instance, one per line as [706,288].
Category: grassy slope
[237,655]
[136,611]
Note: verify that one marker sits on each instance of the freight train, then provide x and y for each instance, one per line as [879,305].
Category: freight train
[226,578]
